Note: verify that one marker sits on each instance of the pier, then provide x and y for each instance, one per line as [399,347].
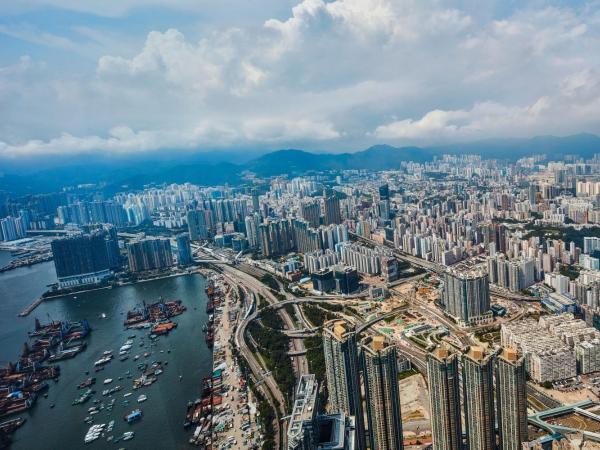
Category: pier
[31,307]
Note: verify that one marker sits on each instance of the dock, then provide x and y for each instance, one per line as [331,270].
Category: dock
[31,307]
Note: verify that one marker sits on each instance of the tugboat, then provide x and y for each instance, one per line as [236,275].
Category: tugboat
[86,383]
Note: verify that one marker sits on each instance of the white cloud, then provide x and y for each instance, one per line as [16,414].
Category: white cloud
[122,139]
[344,72]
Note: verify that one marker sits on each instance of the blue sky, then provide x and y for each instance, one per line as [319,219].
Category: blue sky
[145,75]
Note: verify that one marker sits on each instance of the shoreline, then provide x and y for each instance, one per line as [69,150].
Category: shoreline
[33,305]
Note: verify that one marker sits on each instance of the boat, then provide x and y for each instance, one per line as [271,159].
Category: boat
[104,360]
[86,383]
[133,416]
[108,381]
[127,395]
[142,398]
[127,435]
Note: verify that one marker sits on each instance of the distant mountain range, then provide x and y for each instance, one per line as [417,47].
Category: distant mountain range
[211,169]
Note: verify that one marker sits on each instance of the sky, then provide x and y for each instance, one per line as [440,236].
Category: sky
[126,76]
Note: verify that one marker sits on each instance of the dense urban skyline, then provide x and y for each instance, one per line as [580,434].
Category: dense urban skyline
[300,224]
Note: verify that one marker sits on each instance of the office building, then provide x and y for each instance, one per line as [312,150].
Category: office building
[322,280]
[380,371]
[389,268]
[309,431]
[511,399]
[81,259]
[444,394]
[466,296]
[336,432]
[184,250]
[149,254]
[478,399]
[301,433]
[342,370]
[345,279]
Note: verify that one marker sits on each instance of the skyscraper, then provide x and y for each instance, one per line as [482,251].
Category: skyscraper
[384,192]
[342,370]
[149,254]
[478,398]
[511,398]
[184,250]
[81,259]
[466,295]
[197,227]
[380,371]
[444,395]
[255,201]
[331,208]
[311,212]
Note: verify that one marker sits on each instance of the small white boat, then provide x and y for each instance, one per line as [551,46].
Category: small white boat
[128,435]
[127,395]
[142,398]
[108,381]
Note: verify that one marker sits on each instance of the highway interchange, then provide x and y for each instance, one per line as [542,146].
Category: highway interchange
[239,274]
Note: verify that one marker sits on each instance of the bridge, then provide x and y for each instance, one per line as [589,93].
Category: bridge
[372,322]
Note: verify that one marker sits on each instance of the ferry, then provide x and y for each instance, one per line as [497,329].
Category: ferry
[133,416]
[102,361]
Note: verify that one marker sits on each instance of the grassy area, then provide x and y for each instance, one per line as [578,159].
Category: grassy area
[316,315]
[290,310]
[569,271]
[273,346]
[335,307]
[316,365]
[270,318]
[567,234]
[270,281]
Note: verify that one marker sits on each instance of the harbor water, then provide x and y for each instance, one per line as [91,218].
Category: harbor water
[187,356]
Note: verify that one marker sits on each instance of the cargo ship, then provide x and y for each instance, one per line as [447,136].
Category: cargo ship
[153,313]
[163,328]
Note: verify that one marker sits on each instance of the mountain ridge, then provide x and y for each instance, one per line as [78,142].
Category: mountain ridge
[201,169]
